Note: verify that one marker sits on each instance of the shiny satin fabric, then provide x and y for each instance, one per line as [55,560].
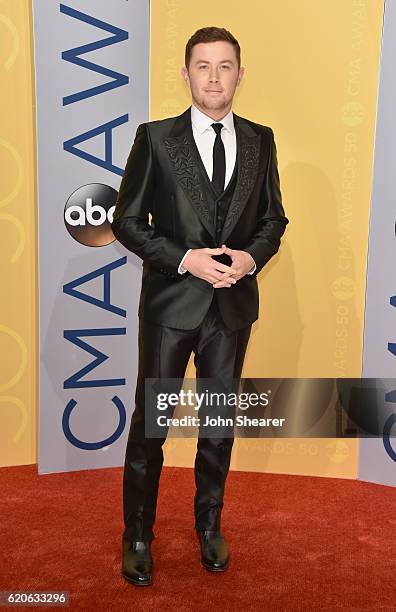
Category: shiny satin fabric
[164,177]
[164,353]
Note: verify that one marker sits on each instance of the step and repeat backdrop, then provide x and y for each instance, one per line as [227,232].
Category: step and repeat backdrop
[92,71]
[92,90]
[378,457]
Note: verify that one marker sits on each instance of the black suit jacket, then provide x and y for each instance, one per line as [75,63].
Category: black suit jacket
[163,176]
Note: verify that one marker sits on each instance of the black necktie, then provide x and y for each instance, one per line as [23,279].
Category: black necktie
[219,166]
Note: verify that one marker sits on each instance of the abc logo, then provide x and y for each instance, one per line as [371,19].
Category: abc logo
[89,212]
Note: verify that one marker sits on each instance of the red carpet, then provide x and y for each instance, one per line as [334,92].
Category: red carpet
[296,542]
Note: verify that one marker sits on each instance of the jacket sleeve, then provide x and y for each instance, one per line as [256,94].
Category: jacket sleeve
[271,222]
[130,220]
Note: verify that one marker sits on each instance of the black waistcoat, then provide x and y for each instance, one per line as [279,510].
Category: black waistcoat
[218,205]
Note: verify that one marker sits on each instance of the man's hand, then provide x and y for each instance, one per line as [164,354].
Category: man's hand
[242,262]
[199,262]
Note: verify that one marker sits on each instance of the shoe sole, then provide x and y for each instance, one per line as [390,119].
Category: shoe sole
[137,583]
[214,569]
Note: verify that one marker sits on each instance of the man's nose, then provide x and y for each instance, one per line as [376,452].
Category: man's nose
[214,76]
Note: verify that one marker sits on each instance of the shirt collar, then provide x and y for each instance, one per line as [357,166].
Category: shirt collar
[202,122]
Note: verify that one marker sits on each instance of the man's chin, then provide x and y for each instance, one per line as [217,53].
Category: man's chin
[214,105]
[215,102]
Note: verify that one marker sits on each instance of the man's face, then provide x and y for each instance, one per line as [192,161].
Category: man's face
[213,76]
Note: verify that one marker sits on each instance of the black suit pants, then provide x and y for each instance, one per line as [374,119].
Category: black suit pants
[164,352]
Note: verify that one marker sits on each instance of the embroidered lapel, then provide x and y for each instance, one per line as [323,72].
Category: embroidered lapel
[179,145]
[248,157]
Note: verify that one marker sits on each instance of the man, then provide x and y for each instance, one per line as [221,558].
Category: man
[209,179]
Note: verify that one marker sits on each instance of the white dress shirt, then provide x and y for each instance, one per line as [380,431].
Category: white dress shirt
[204,136]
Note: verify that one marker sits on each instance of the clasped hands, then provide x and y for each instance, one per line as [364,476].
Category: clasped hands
[199,262]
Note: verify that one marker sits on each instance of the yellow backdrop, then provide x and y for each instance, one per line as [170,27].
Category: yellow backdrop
[311,71]
[311,74]
[18,271]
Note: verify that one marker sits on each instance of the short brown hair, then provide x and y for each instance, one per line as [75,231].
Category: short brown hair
[211,34]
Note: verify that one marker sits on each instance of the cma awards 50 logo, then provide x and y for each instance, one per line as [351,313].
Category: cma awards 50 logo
[89,213]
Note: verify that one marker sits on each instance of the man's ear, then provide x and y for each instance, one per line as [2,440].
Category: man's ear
[240,75]
[184,73]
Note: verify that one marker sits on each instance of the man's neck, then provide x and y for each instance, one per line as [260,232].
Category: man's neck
[216,116]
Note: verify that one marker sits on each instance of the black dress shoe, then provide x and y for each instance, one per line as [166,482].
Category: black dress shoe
[137,562]
[214,551]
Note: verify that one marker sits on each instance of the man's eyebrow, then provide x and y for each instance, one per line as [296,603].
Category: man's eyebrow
[226,61]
